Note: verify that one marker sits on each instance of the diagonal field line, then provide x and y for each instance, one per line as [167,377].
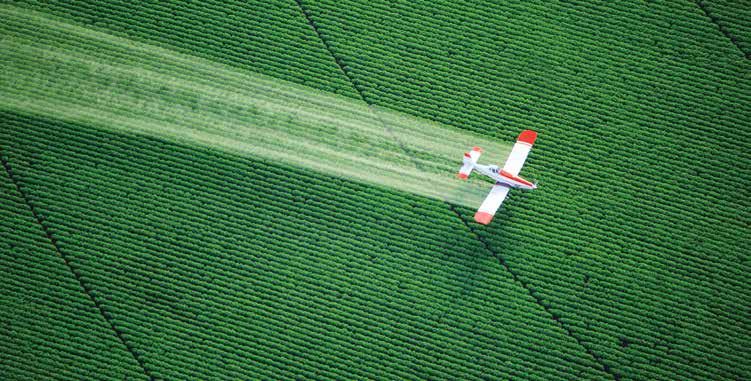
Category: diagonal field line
[722,28]
[538,300]
[408,151]
[86,288]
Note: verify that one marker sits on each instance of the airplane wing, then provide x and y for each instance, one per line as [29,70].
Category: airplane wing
[513,165]
[519,153]
[491,204]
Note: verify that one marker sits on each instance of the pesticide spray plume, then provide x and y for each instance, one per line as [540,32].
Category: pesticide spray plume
[81,75]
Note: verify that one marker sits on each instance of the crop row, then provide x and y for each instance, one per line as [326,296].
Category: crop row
[161,96]
[619,242]
[257,261]
[241,39]
[622,241]
[50,327]
[733,19]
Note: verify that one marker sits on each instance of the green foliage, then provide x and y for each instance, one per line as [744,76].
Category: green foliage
[49,328]
[637,240]
[733,18]
[638,236]
[271,37]
[218,266]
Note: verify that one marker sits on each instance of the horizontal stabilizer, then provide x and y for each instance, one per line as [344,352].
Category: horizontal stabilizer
[470,160]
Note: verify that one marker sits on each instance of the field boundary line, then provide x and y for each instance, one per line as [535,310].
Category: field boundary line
[440,314]
[598,359]
[538,300]
[86,289]
[723,30]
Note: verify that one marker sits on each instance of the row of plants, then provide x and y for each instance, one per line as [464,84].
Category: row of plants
[624,240]
[49,327]
[234,252]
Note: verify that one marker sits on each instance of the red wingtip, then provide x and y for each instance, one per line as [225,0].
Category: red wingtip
[462,176]
[483,217]
[476,148]
[528,136]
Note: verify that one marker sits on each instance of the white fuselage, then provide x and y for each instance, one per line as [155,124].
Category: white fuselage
[497,174]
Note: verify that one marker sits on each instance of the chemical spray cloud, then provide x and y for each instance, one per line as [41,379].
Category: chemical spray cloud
[81,75]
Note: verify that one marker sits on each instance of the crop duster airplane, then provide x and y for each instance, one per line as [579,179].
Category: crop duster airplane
[505,178]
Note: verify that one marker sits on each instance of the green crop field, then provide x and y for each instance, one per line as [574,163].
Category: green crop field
[147,233]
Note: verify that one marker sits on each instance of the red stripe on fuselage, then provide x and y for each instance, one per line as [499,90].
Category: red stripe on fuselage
[515,178]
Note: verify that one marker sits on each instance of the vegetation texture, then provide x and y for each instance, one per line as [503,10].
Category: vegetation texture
[49,326]
[733,19]
[127,255]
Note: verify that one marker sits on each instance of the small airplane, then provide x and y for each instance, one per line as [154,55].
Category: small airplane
[505,178]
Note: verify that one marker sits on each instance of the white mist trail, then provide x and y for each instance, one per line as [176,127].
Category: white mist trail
[75,74]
